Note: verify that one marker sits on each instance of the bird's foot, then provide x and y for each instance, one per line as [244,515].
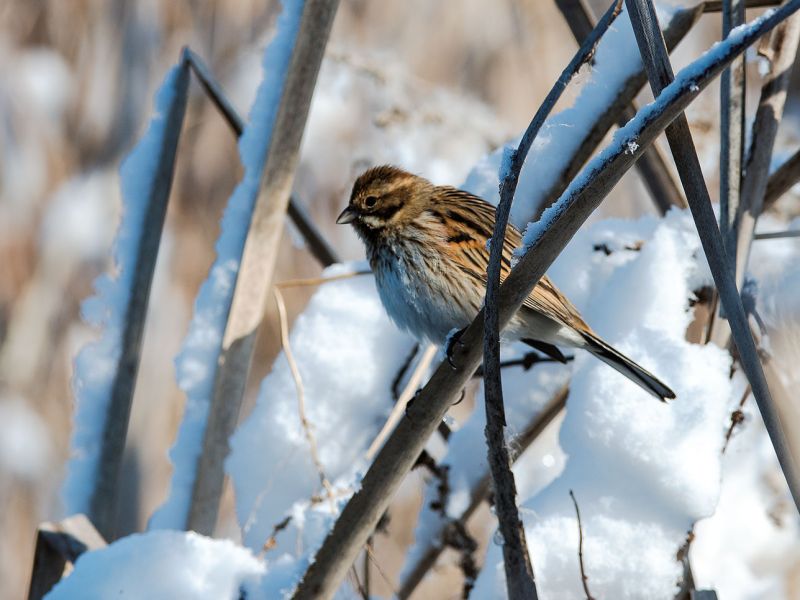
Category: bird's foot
[452,341]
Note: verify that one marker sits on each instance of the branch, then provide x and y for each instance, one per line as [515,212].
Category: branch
[546,241]
[480,492]
[614,110]
[656,60]
[319,246]
[652,166]
[120,307]
[516,558]
[584,578]
[275,173]
[301,403]
[776,235]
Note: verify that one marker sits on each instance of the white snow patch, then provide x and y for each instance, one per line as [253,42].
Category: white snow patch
[162,565]
[95,365]
[348,353]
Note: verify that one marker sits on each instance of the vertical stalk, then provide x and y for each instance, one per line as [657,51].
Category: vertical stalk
[254,278]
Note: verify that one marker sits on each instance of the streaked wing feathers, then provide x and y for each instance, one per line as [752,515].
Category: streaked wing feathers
[469,222]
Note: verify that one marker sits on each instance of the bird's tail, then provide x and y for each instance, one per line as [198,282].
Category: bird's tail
[627,367]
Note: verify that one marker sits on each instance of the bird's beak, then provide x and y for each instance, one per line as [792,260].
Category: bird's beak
[348,216]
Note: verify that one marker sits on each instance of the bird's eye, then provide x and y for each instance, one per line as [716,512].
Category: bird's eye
[371,201]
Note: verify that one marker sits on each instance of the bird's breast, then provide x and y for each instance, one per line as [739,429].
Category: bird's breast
[421,290]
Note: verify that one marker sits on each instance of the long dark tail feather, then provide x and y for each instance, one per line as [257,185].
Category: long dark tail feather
[627,367]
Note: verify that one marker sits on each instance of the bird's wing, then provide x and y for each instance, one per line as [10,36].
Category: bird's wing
[470,222]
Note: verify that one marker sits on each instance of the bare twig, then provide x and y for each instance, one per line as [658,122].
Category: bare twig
[480,492]
[364,509]
[712,6]
[656,59]
[737,418]
[616,110]
[777,235]
[584,578]
[301,397]
[528,360]
[319,246]
[518,568]
[652,166]
[319,280]
[782,50]
[257,266]
[401,372]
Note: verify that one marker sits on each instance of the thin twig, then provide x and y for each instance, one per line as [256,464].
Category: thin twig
[584,578]
[317,244]
[712,6]
[319,280]
[298,383]
[271,540]
[737,418]
[777,235]
[519,571]
[528,360]
[480,492]
[401,372]
[652,166]
[384,477]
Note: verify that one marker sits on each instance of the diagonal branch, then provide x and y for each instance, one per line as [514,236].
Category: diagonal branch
[267,189]
[545,241]
[518,568]
[656,59]
[319,246]
[652,166]
[480,493]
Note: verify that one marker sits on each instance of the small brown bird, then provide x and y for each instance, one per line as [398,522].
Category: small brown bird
[427,246]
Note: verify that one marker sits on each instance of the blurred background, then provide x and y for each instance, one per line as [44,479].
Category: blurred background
[427,84]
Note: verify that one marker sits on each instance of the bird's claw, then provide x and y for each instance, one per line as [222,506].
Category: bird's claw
[454,340]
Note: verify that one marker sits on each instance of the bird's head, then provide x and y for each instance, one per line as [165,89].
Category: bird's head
[384,197]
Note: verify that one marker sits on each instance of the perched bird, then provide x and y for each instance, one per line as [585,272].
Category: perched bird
[427,246]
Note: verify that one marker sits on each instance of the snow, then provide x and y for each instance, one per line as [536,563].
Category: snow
[26,450]
[643,472]
[686,79]
[96,364]
[197,360]
[162,565]
[348,353]
[564,132]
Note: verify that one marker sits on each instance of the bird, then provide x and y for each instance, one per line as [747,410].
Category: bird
[427,246]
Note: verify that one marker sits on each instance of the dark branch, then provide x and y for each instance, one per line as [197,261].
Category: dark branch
[584,578]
